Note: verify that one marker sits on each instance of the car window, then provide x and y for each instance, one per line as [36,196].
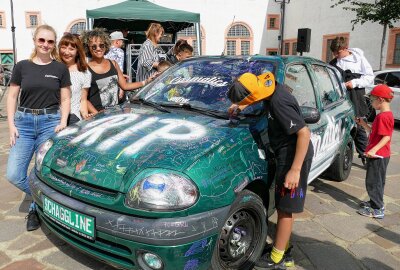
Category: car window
[326,88]
[336,82]
[393,79]
[380,78]
[298,81]
[202,83]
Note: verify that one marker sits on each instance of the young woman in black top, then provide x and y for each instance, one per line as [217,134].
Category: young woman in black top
[44,86]
[107,77]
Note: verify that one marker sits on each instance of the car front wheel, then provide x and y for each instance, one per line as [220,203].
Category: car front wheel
[243,235]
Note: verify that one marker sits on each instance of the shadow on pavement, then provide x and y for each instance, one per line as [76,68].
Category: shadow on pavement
[320,187]
[384,233]
[24,206]
[310,253]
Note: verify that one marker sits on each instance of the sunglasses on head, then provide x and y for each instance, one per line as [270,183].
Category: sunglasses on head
[101,46]
[42,41]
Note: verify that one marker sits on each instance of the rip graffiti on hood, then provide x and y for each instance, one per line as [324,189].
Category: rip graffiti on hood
[92,132]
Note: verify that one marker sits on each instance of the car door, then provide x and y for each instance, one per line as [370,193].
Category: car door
[299,83]
[392,79]
[335,110]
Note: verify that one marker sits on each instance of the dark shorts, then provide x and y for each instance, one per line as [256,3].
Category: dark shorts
[290,200]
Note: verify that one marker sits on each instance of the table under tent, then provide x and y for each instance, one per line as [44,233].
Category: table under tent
[135,16]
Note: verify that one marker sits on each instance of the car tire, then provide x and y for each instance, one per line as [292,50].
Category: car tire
[246,227]
[341,167]
[371,111]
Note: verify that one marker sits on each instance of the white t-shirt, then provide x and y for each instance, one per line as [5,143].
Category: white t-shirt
[79,81]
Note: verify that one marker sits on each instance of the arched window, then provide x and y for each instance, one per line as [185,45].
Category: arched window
[189,34]
[239,40]
[77,26]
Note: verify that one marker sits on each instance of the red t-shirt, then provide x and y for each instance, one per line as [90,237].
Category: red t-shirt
[383,125]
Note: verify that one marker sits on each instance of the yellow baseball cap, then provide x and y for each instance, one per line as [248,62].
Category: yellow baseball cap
[249,88]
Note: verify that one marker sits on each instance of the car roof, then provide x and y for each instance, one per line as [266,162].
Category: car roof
[276,58]
[386,70]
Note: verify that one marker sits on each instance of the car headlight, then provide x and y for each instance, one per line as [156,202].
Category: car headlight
[162,191]
[41,153]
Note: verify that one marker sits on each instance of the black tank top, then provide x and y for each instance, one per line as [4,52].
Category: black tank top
[103,91]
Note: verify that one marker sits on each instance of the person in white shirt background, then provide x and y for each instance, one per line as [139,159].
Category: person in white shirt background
[357,74]
[116,53]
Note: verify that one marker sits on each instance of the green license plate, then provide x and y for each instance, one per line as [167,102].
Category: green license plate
[71,220]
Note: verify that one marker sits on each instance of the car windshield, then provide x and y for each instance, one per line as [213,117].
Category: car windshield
[201,83]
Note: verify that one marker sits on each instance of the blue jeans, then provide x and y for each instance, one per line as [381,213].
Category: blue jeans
[33,131]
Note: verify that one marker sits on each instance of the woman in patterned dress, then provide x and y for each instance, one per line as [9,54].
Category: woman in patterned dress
[149,52]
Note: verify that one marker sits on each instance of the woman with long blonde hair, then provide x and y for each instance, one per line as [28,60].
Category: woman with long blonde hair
[148,59]
[43,85]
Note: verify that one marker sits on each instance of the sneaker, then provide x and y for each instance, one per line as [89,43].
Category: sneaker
[371,212]
[33,222]
[265,262]
[287,257]
[365,204]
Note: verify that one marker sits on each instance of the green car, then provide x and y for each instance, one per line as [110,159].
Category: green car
[170,181]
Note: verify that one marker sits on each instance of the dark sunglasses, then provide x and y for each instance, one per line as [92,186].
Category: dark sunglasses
[101,46]
[49,41]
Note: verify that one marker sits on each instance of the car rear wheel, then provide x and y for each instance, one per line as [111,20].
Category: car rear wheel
[243,234]
[341,167]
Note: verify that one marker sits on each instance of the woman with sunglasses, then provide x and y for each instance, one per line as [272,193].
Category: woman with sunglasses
[73,55]
[149,52]
[107,77]
[43,85]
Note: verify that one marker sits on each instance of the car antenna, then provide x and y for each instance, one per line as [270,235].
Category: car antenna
[233,20]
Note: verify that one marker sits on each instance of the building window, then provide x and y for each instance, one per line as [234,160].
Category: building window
[239,40]
[32,19]
[327,55]
[286,47]
[78,28]
[245,47]
[290,46]
[393,52]
[2,19]
[231,47]
[189,34]
[271,51]
[273,22]
[294,48]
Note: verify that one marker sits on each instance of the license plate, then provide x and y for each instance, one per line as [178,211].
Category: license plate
[71,220]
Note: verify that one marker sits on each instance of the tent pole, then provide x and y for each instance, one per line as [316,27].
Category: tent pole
[89,24]
[198,37]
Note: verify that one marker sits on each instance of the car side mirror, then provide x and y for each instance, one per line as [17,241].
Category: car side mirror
[310,115]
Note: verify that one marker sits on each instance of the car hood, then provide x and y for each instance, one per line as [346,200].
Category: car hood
[111,149]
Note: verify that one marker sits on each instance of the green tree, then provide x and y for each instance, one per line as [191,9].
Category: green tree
[384,12]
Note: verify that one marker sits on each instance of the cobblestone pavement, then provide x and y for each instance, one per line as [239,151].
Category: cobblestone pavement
[329,234]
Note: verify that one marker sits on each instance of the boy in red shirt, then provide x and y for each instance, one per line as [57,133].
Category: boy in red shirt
[377,151]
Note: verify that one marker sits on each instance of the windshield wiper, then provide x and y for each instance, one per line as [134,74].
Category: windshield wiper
[152,104]
[208,112]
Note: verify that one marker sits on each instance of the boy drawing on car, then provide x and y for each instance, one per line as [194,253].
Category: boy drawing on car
[290,140]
